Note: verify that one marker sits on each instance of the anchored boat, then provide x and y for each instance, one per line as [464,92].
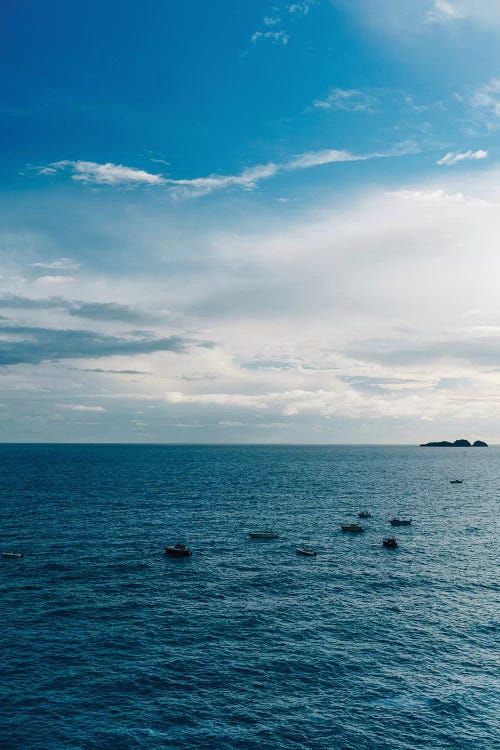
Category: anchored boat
[400,522]
[306,551]
[263,535]
[390,542]
[355,527]
[178,550]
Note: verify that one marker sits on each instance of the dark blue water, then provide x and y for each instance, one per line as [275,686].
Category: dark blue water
[108,644]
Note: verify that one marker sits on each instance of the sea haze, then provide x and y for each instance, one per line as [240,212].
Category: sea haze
[109,644]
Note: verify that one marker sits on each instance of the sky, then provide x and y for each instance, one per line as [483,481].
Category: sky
[265,222]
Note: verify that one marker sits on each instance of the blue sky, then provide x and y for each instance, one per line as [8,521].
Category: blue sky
[249,222]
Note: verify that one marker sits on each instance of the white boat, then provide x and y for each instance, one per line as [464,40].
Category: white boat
[12,554]
[263,535]
[306,551]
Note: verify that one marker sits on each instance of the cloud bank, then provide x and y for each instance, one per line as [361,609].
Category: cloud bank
[30,345]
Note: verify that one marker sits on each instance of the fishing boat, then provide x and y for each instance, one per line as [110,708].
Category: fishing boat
[364,514]
[12,554]
[456,481]
[355,527]
[263,535]
[178,550]
[400,522]
[390,542]
[306,551]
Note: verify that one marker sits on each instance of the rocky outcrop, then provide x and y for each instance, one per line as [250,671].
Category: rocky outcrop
[462,443]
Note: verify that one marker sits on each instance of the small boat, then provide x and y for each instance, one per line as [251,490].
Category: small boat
[12,554]
[352,527]
[456,481]
[178,550]
[390,542]
[263,535]
[400,522]
[364,514]
[306,551]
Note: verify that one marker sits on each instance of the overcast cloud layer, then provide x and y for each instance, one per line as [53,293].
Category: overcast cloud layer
[289,263]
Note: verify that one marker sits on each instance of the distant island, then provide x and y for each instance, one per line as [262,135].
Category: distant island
[457,444]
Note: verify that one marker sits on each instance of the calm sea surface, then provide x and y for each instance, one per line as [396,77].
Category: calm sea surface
[107,644]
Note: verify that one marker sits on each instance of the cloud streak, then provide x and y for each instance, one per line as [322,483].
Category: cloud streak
[31,345]
[347,100]
[98,311]
[195,187]
[451,158]
[249,178]
[103,174]
[60,264]
[81,407]
[271,36]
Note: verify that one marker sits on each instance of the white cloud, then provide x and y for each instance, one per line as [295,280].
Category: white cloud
[300,7]
[268,21]
[249,178]
[104,174]
[443,11]
[487,98]
[333,303]
[348,100]
[484,12]
[449,159]
[81,407]
[61,264]
[271,36]
[400,17]
[54,279]
[327,156]
[432,195]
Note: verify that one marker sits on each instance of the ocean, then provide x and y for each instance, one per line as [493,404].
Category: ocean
[107,644]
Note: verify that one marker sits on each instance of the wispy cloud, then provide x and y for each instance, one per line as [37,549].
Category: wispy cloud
[485,12]
[270,21]
[451,158]
[443,11]
[81,407]
[327,156]
[60,264]
[487,98]
[300,7]
[421,16]
[271,36]
[247,180]
[103,174]
[54,279]
[249,177]
[101,371]
[348,100]
[272,33]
